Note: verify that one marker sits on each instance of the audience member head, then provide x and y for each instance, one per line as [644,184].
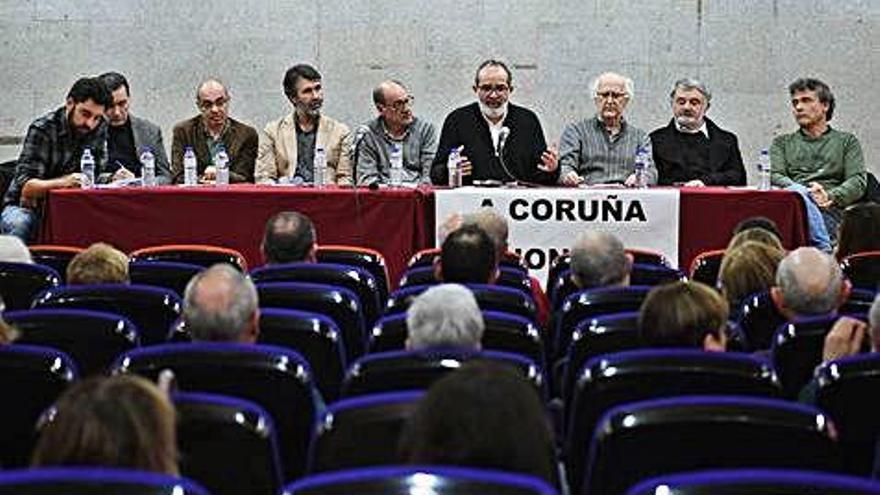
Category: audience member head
[289,237]
[493,223]
[755,234]
[684,314]
[484,415]
[121,421]
[99,264]
[809,282]
[859,230]
[445,315]
[13,250]
[467,256]
[87,100]
[220,305]
[598,259]
[748,268]
[760,222]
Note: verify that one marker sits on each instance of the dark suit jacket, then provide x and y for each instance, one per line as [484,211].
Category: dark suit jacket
[676,160]
[522,152]
[240,141]
[147,133]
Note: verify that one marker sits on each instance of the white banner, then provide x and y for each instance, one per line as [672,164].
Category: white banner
[545,222]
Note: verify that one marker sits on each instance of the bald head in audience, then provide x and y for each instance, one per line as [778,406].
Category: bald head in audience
[289,237]
[445,315]
[220,305]
[809,282]
[598,259]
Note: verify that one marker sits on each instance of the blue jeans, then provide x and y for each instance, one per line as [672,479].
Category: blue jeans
[815,219]
[20,222]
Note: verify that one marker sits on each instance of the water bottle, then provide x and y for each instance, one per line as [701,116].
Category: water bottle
[452,165]
[87,167]
[320,167]
[396,165]
[639,168]
[764,171]
[190,170]
[221,165]
[148,165]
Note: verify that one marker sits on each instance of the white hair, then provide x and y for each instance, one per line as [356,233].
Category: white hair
[874,321]
[13,250]
[627,83]
[445,315]
[224,313]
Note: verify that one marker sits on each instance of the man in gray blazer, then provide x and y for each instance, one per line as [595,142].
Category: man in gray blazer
[128,136]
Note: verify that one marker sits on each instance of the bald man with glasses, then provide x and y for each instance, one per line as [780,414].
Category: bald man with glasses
[601,149]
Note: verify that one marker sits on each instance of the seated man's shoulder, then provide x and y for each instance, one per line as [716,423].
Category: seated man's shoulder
[238,126]
[186,125]
[144,124]
[716,130]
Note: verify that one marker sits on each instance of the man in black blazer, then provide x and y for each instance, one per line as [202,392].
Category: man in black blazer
[692,150]
[499,141]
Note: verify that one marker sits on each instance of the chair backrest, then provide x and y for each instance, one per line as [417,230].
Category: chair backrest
[863,269]
[648,257]
[361,431]
[559,264]
[436,480]
[356,279]
[21,282]
[797,350]
[31,378]
[758,318]
[706,267]
[610,380]
[340,304]
[417,370]
[591,303]
[650,274]
[489,297]
[227,444]
[54,256]
[95,481]
[152,309]
[507,277]
[277,379]
[172,275]
[197,254]
[426,257]
[846,388]
[92,339]
[752,481]
[367,258]
[632,441]
[858,302]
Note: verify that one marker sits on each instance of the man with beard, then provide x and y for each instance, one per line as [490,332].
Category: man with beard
[395,124]
[287,145]
[692,150]
[499,141]
[209,133]
[50,155]
[128,136]
[601,149]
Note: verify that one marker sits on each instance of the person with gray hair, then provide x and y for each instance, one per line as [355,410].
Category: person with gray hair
[598,259]
[220,305]
[445,315]
[601,148]
[395,125]
[809,282]
[692,150]
[13,250]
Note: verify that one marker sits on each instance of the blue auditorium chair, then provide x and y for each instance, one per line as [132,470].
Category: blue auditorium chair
[172,275]
[756,481]
[94,481]
[21,282]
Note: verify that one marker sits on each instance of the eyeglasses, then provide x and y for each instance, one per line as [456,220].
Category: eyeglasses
[207,104]
[400,105]
[498,88]
[610,95]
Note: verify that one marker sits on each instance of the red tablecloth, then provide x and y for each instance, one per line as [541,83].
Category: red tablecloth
[395,222]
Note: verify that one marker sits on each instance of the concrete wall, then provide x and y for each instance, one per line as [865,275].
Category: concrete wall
[747,51]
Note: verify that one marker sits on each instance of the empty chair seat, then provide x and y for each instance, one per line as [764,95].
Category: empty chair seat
[648,274]
[227,444]
[92,339]
[366,258]
[797,350]
[152,309]
[863,269]
[361,431]
[758,318]
[706,267]
[168,274]
[31,378]
[756,481]
[21,282]
[648,257]
[54,256]
[198,254]
[95,481]
[277,379]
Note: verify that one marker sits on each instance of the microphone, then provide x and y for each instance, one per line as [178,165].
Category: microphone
[502,140]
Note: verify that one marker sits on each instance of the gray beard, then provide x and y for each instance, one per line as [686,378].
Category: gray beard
[493,113]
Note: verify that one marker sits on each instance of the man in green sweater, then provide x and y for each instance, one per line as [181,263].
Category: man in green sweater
[823,164]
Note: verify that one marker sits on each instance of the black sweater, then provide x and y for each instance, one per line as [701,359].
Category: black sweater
[681,157]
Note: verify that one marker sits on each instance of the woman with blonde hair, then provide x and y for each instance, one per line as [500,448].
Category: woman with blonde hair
[684,314]
[747,269]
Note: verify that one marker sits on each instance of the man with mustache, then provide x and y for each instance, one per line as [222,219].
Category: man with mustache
[210,132]
[287,145]
[395,124]
[692,150]
[51,152]
[601,149]
[824,165]
[488,151]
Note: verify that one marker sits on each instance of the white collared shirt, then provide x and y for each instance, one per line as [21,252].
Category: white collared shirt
[703,129]
[495,129]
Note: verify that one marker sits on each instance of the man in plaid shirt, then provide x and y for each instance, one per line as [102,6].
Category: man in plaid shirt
[51,152]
